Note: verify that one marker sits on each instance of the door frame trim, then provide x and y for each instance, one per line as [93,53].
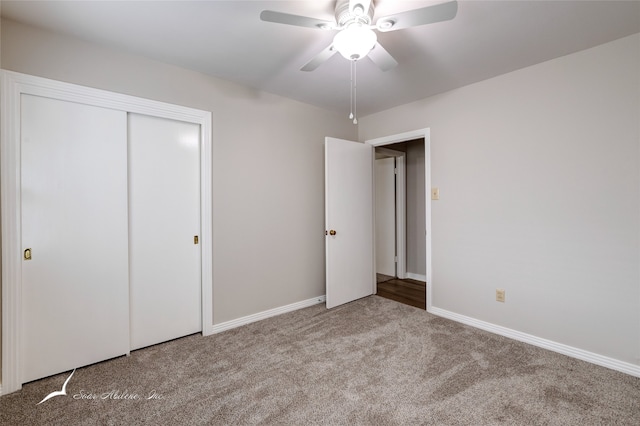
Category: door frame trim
[404,137]
[13,85]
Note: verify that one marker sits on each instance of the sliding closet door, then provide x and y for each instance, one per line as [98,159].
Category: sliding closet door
[75,300]
[164,228]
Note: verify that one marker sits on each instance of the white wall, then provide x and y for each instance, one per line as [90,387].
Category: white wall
[539,177]
[268,173]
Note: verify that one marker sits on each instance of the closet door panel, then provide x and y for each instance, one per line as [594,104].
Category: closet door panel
[164,218]
[75,299]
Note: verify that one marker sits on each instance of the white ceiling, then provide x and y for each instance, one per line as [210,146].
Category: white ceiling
[227,39]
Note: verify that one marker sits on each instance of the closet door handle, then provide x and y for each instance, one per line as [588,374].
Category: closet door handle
[27,254]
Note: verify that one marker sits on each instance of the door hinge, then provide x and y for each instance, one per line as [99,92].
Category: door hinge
[395,171]
[395,259]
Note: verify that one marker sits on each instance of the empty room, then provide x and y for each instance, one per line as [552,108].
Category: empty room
[367,212]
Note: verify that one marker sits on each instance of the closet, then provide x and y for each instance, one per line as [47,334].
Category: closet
[107,214]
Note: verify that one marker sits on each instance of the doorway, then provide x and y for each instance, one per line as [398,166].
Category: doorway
[389,213]
[408,283]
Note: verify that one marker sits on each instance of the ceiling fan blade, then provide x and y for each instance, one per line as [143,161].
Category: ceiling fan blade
[382,58]
[364,5]
[297,20]
[319,59]
[413,18]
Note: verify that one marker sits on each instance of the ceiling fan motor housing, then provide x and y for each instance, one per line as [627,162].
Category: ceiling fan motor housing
[345,18]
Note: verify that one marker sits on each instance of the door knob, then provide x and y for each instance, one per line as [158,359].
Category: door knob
[332,232]
[27,254]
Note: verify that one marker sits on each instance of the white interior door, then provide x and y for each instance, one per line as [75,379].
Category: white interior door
[348,221]
[385,235]
[164,218]
[75,299]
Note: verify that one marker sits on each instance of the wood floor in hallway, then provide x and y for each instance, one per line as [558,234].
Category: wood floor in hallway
[407,291]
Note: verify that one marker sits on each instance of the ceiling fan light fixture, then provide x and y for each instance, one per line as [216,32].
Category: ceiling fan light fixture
[355,42]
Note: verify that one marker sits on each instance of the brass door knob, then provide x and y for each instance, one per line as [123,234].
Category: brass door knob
[332,232]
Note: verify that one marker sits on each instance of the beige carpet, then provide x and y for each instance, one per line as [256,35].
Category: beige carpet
[371,362]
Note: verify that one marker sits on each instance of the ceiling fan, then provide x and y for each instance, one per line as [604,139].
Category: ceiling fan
[356,38]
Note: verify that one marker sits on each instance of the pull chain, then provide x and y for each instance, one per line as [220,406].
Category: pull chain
[355,93]
[351,92]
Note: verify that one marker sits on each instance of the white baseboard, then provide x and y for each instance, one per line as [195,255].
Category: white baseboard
[418,277]
[218,328]
[604,361]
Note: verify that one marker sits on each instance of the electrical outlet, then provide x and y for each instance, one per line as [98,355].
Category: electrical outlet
[499,295]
